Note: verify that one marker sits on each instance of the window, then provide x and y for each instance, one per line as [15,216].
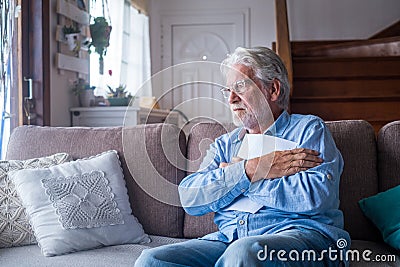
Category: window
[128,56]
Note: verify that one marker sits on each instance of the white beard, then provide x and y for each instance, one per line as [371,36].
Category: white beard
[238,122]
[256,118]
[253,121]
[248,121]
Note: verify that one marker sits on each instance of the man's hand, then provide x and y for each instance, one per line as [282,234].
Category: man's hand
[282,163]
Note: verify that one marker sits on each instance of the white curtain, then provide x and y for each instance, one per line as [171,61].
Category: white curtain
[139,66]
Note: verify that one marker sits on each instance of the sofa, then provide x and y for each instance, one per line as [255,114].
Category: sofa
[156,157]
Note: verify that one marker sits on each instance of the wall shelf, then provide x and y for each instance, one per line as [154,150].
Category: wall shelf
[73,12]
[75,61]
[120,116]
[65,62]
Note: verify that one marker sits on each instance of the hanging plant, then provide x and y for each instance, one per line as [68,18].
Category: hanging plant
[100,32]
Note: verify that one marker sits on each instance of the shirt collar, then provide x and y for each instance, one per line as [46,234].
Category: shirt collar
[280,125]
[276,129]
[239,135]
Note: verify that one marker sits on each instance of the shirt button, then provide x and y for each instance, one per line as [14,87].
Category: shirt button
[329,177]
[243,190]
[241,222]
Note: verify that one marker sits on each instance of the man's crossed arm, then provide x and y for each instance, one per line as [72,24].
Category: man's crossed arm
[279,163]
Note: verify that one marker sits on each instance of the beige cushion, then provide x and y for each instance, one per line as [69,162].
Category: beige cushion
[14,226]
[79,205]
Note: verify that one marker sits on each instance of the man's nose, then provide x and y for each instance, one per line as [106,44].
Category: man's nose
[233,97]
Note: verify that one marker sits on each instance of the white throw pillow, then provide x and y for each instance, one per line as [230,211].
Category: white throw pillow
[14,224]
[79,205]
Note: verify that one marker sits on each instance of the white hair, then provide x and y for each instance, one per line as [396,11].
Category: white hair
[266,66]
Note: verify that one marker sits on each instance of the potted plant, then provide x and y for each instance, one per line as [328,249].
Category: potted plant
[85,93]
[118,96]
[100,32]
[72,36]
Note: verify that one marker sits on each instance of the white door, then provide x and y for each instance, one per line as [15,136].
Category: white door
[195,45]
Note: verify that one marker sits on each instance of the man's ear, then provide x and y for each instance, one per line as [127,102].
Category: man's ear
[275,90]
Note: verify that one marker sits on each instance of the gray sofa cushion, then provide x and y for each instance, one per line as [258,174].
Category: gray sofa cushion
[389,155]
[121,255]
[200,137]
[146,148]
[156,217]
[356,141]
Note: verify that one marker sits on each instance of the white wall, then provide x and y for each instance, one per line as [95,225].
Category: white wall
[61,97]
[340,19]
[308,19]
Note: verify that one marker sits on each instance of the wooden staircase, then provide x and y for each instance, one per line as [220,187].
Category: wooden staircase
[357,79]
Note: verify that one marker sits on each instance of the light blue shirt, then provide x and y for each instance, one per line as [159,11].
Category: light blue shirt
[308,199]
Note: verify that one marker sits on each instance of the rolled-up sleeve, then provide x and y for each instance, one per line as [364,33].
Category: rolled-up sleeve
[213,188]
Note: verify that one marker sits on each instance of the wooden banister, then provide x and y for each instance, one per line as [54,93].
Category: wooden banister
[392,30]
[283,39]
[384,47]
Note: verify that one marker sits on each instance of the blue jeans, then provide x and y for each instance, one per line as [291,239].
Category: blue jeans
[281,249]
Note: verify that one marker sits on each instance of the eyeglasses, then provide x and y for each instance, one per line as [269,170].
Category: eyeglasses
[239,87]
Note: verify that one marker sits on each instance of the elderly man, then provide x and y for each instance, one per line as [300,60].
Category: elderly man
[294,218]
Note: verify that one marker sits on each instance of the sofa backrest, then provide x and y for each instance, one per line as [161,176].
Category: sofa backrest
[200,137]
[388,140]
[141,153]
[355,140]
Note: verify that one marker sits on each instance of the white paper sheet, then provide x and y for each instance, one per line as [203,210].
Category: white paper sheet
[244,203]
[256,145]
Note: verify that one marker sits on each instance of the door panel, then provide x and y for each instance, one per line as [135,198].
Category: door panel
[199,43]
[202,42]
[36,65]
